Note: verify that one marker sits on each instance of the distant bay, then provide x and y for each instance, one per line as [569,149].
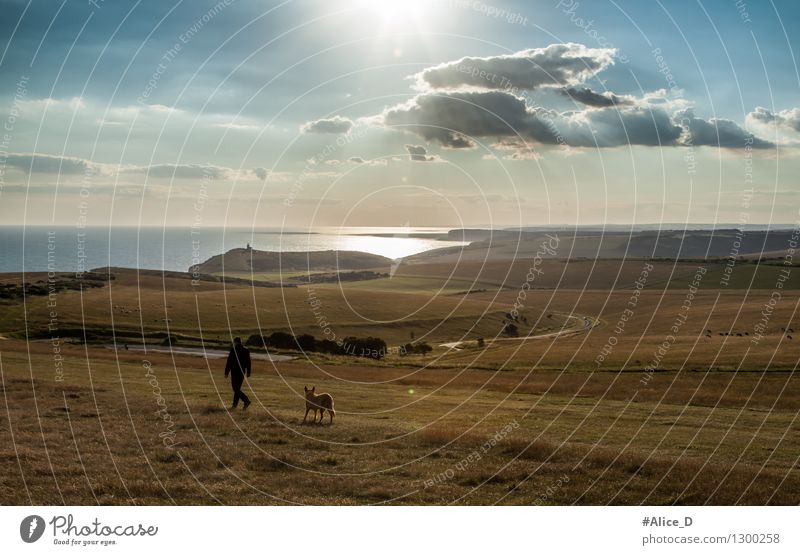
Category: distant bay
[70,249]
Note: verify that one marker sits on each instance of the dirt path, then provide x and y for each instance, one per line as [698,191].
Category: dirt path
[197,351]
[584,323]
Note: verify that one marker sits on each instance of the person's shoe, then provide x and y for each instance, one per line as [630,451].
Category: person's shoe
[246,404]
[233,407]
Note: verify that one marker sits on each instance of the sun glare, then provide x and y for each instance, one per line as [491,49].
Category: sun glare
[397,15]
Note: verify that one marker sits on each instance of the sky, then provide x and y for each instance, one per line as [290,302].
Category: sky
[398,113]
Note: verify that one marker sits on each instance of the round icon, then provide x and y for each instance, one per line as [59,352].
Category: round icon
[31,528]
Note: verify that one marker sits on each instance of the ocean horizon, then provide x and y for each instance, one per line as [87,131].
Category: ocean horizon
[40,248]
[72,249]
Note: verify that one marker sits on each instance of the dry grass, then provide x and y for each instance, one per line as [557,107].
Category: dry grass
[717,424]
[95,438]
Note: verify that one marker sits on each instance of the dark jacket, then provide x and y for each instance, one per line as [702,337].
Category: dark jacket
[238,360]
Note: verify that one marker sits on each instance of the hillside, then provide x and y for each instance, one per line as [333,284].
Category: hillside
[691,244]
[251,260]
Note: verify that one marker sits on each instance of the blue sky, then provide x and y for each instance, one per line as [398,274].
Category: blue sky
[203,112]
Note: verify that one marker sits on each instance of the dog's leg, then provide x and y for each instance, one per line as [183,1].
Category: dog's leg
[306,416]
[330,413]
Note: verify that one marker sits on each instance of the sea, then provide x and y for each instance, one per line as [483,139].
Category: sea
[73,249]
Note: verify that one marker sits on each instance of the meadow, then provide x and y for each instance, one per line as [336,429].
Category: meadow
[527,420]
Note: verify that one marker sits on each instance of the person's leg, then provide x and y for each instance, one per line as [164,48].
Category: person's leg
[236,384]
[242,394]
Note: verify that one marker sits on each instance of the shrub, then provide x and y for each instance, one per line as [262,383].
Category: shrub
[256,340]
[306,342]
[281,340]
[329,347]
[370,347]
[418,349]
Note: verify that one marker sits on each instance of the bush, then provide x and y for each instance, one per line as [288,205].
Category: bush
[418,349]
[306,342]
[282,340]
[511,330]
[370,347]
[329,347]
[256,340]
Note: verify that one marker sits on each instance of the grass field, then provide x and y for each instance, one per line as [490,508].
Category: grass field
[517,421]
[686,438]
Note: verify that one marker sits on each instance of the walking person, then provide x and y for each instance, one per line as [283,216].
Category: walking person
[238,364]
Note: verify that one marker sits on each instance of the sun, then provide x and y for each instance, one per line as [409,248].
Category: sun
[397,15]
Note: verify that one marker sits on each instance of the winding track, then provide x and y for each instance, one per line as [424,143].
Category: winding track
[588,323]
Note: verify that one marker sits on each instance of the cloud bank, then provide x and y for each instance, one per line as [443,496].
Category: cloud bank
[456,120]
[474,99]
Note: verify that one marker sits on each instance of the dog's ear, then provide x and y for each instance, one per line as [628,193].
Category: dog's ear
[305,388]
[313,388]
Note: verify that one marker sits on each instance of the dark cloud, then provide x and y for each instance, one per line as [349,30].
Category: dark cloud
[481,98]
[639,125]
[557,65]
[451,119]
[785,118]
[419,153]
[723,133]
[597,100]
[356,159]
[334,125]
[46,163]
[261,173]
[454,119]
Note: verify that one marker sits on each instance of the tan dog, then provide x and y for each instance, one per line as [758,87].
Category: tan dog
[321,403]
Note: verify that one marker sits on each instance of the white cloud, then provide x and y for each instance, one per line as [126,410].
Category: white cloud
[557,65]
[789,119]
[334,125]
